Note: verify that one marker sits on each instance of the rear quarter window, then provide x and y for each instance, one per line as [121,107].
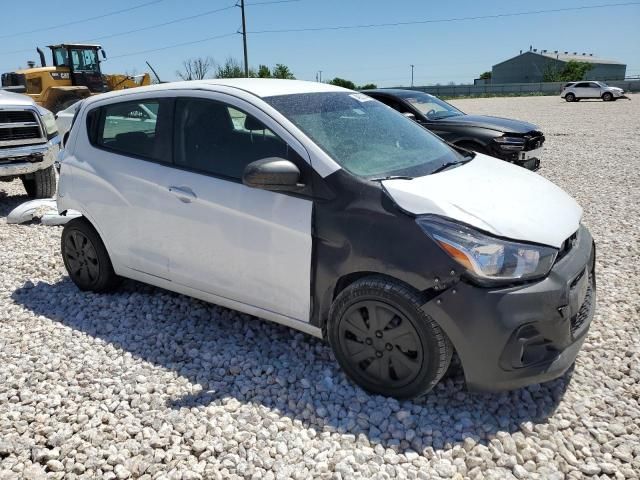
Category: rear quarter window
[140,128]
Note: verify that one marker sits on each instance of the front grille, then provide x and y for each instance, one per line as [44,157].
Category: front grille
[19,133]
[24,116]
[579,319]
[19,127]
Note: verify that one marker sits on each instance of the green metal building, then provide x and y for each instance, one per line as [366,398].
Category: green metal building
[530,66]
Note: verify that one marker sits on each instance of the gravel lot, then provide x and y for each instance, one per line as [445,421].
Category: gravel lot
[148,384]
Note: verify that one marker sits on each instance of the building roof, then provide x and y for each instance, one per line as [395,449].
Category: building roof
[565,57]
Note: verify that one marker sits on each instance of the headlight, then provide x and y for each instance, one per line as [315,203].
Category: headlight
[513,144]
[486,258]
[49,124]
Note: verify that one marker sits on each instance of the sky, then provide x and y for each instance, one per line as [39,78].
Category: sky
[441,51]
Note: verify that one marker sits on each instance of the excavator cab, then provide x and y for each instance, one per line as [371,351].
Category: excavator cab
[83,63]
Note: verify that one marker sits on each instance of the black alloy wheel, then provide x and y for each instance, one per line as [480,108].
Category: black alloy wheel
[384,341]
[85,257]
[381,341]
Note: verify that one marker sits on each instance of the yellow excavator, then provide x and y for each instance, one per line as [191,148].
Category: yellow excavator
[74,75]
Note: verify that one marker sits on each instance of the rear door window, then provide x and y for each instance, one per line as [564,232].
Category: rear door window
[140,128]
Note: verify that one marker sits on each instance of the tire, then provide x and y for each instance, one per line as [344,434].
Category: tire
[570,97]
[607,97]
[40,184]
[412,358]
[86,259]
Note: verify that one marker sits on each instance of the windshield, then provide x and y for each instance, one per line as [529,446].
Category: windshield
[602,84]
[431,107]
[85,60]
[365,137]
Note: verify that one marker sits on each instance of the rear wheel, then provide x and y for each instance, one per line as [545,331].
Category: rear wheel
[85,257]
[40,184]
[607,96]
[570,97]
[384,341]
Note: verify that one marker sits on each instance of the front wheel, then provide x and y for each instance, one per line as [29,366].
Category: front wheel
[40,184]
[570,97]
[85,257]
[607,97]
[383,340]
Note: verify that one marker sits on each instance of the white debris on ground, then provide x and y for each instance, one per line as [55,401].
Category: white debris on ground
[147,384]
[44,209]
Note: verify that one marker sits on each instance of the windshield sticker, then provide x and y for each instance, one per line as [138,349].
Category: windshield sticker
[361,97]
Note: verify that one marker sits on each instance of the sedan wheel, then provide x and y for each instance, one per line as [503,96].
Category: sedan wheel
[607,97]
[569,97]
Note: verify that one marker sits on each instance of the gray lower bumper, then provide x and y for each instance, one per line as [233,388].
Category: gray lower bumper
[28,159]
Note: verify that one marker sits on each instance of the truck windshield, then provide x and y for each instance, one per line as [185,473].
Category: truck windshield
[365,137]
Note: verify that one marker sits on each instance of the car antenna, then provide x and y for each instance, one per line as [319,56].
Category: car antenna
[154,72]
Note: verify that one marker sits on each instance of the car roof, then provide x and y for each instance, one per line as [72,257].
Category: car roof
[394,91]
[260,87]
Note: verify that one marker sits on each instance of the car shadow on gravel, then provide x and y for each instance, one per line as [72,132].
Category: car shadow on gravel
[233,356]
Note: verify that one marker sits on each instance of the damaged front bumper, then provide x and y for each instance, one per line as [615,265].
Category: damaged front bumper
[507,338]
[16,161]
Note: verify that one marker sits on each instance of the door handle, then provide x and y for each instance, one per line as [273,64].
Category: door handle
[185,194]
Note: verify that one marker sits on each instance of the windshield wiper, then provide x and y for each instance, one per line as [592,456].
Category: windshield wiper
[392,177]
[450,165]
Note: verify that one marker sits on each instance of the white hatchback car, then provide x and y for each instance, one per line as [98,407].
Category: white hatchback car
[575,91]
[325,210]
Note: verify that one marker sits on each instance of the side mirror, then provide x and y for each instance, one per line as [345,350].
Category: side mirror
[104,54]
[410,116]
[272,173]
[65,137]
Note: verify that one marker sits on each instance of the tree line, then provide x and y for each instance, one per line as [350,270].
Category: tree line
[200,68]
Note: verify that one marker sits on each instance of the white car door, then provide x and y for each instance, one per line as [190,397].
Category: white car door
[124,178]
[582,90]
[244,244]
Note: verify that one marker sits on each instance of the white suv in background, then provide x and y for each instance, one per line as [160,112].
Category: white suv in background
[575,91]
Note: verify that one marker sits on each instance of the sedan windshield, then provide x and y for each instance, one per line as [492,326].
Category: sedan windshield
[431,107]
[365,137]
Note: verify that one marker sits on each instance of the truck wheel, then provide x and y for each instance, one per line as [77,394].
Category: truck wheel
[384,341]
[607,97]
[85,257]
[570,97]
[40,184]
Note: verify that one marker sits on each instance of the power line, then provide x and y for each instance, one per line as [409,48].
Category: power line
[443,20]
[175,45]
[164,24]
[74,22]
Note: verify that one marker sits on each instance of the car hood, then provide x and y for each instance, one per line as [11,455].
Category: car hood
[494,196]
[491,123]
[10,99]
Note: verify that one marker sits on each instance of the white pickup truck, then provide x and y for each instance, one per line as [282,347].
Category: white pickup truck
[29,144]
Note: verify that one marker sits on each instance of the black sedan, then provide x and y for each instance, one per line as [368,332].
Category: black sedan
[511,140]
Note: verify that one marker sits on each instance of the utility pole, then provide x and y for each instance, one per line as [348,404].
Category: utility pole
[244,40]
[320,75]
[412,75]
